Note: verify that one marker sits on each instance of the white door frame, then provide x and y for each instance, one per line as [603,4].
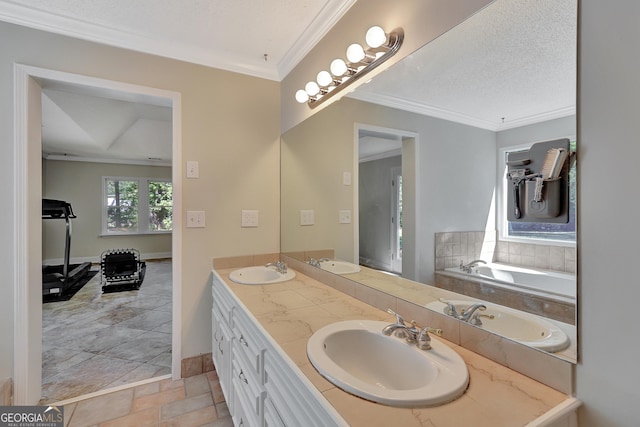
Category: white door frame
[27,358]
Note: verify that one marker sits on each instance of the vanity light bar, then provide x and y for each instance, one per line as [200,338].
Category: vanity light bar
[360,61]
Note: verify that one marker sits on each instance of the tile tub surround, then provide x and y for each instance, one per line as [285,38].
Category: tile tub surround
[97,341]
[454,247]
[291,311]
[551,308]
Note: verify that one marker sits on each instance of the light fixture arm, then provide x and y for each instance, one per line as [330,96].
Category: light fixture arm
[395,39]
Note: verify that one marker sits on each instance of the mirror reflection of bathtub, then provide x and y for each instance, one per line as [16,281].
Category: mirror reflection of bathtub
[545,293]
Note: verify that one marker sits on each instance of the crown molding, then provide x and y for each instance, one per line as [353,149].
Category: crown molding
[80,29]
[440,113]
[330,14]
[138,162]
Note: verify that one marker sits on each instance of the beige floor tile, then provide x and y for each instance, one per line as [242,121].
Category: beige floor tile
[158,399]
[103,408]
[180,407]
[149,417]
[197,385]
[192,419]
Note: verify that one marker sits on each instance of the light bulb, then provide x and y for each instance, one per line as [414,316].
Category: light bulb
[324,78]
[355,53]
[338,67]
[375,37]
[312,88]
[302,96]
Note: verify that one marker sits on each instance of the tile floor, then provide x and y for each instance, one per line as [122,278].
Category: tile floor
[189,402]
[97,341]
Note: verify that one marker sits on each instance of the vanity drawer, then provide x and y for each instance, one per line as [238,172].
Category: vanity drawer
[223,304]
[248,345]
[271,415]
[250,395]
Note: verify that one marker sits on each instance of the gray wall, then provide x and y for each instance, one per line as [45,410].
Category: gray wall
[608,376]
[375,198]
[80,183]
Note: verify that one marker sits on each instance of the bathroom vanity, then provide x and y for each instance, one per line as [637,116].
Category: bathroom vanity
[260,334]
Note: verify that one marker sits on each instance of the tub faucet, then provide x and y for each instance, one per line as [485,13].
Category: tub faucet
[468,268]
[280,266]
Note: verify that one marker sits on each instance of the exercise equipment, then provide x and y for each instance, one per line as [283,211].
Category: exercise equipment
[121,269]
[56,279]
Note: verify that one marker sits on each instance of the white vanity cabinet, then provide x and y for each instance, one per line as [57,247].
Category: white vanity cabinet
[261,384]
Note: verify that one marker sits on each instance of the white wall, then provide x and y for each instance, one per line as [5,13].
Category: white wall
[230,124]
[607,375]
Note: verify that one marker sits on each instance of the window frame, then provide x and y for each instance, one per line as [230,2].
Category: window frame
[143,206]
[502,223]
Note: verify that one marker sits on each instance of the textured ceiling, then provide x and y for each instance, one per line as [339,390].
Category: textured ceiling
[511,64]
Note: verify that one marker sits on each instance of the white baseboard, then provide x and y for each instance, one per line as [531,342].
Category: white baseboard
[96,259]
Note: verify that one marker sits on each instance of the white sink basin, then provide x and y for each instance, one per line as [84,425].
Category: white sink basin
[260,275]
[339,267]
[355,356]
[519,326]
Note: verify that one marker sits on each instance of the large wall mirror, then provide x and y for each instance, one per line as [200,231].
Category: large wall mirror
[405,177]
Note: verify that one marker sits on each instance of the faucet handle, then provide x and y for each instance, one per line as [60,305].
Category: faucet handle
[451,309]
[399,318]
[424,340]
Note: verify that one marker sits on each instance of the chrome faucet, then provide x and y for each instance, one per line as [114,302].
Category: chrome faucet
[466,313]
[468,268]
[280,266]
[412,334]
[314,262]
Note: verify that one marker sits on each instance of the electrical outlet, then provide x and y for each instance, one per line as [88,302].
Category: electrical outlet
[195,219]
[345,217]
[250,218]
[307,217]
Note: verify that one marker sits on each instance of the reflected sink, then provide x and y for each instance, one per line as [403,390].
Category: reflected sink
[519,326]
[260,275]
[356,357]
[339,267]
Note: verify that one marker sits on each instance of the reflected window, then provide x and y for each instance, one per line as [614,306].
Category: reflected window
[540,231]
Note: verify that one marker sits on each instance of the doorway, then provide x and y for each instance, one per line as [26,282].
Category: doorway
[385,199]
[28,233]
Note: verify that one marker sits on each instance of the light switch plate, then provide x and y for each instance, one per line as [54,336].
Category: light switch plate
[250,218]
[345,217]
[195,219]
[346,178]
[307,217]
[193,169]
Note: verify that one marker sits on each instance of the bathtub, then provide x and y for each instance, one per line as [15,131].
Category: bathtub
[542,282]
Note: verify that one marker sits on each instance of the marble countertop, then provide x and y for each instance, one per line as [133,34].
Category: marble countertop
[292,311]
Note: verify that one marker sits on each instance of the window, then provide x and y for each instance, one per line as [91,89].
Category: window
[136,205]
[540,231]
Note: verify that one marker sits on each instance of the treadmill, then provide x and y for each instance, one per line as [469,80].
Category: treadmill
[56,279]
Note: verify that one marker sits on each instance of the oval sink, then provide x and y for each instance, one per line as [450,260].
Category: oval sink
[519,326]
[356,357]
[260,275]
[339,267]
